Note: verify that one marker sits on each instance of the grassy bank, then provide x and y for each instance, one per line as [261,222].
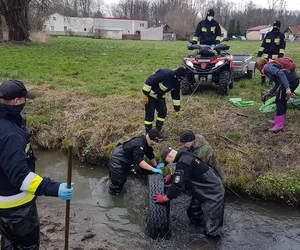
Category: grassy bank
[89,95]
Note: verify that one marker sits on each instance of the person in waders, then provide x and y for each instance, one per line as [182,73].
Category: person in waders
[196,144]
[199,180]
[154,91]
[286,81]
[19,185]
[131,153]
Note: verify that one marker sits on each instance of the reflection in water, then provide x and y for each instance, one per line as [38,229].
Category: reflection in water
[248,225]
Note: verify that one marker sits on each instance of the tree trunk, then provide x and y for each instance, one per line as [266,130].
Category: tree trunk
[1,29]
[15,13]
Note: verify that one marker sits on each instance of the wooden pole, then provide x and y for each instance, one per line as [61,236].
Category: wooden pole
[69,179]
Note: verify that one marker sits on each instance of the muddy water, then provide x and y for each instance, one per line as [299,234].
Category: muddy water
[102,222]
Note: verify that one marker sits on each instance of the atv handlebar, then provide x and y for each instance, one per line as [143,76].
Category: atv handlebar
[201,47]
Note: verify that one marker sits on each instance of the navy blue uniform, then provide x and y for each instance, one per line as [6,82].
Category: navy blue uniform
[155,87]
[123,159]
[208,32]
[197,179]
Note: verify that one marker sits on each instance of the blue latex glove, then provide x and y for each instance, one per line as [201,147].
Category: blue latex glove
[172,164]
[157,171]
[65,193]
[160,166]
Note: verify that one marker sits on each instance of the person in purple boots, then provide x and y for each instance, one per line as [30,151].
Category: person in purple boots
[286,81]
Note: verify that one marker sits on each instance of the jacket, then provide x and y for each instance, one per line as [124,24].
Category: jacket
[208,32]
[18,184]
[161,82]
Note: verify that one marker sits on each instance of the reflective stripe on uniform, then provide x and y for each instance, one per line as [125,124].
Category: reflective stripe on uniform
[277,41]
[261,49]
[281,51]
[15,200]
[152,94]
[148,123]
[218,38]
[27,147]
[176,102]
[268,40]
[264,55]
[195,39]
[162,87]
[213,29]
[146,88]
[203,29]
[274,56]
[31,183]
[160,119]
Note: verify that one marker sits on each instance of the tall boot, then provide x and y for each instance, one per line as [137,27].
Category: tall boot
[279,123]
[273,121]
[148,127]
[262,80]
[159,125]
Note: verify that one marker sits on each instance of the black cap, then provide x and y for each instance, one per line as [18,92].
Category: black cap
[155,134]
[180,72]
[277,24]
[164,152]
[187,136]
[12,89]
[210,12]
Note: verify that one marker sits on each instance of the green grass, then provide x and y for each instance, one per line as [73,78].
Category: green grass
[88,95]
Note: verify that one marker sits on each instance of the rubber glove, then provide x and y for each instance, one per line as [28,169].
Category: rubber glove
[168,179]
[177,113]
[156,171]
[160,166]
[65,193]
[158,198]
[145,99]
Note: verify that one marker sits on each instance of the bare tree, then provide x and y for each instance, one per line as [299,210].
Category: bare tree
[85,7]
[1,29]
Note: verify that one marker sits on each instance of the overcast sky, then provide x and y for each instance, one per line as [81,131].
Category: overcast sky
[291,4]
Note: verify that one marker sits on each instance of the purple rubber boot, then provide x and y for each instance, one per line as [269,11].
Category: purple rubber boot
[273,121]
[279,123]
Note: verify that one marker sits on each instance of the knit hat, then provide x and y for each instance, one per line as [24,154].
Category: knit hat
[155,135]
[277,24]
[187,136]
[210,12]
[12,89]
[164,153]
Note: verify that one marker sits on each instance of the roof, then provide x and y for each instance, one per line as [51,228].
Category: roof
[258,28]
[109,28]
[294,30]
[119,18]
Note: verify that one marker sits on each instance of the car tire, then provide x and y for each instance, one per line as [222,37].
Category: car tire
[158,222]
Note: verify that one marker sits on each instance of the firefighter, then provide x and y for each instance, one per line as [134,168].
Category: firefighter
[154,91]
[273,46]
[201,182]
[208,31]
[196,144]
[19,185]
[286,82]
[132,152]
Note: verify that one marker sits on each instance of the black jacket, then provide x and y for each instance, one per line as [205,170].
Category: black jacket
[161,82]
[273,45]
[208,32]
[18,184]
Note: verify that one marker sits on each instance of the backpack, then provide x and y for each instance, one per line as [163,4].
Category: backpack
[286,63]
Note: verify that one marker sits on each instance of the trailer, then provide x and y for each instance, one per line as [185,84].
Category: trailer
[243,66]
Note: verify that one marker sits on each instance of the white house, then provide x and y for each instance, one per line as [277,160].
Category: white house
[112,28]
[258,32]
[163,32]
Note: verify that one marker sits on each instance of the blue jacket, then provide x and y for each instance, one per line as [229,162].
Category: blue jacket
[161,82]
[18,185]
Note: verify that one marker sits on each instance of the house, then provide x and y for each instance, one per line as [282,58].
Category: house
[292,34]
[163,32]
[223,31]
[258,32]
[112,28]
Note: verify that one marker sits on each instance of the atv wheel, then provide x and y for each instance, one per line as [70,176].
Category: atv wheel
[224,81]
[186,88]
[231,84]
[158,214]
[250,74]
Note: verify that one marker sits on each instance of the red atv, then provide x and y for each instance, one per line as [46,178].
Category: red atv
[209,66]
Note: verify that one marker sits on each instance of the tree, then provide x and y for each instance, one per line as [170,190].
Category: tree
[1,30]
[15,13]
[237,29]
[231,29]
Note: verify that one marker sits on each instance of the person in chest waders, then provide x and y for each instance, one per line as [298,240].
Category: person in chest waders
[197,179]
[19,185]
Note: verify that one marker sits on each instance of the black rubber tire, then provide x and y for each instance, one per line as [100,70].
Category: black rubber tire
[158,222]
[231,84]
[250,74]
[224,81]
[186,88]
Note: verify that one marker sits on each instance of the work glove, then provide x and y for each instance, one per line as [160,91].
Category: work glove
[177,113]
[168,180]
[156,171]
[160,166]
[66,193]
[192,42]
[158,198]
[145,99]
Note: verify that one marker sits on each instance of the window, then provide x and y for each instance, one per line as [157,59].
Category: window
[84,29]
[52,28]
[65,28]
[54,18]
[141,24]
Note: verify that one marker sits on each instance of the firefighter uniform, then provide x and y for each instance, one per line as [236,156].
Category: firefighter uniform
[155,88]
[201,182]
[123,160]
[273,45]
[208,32]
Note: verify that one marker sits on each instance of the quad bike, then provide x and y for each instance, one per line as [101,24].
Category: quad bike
[210,66]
